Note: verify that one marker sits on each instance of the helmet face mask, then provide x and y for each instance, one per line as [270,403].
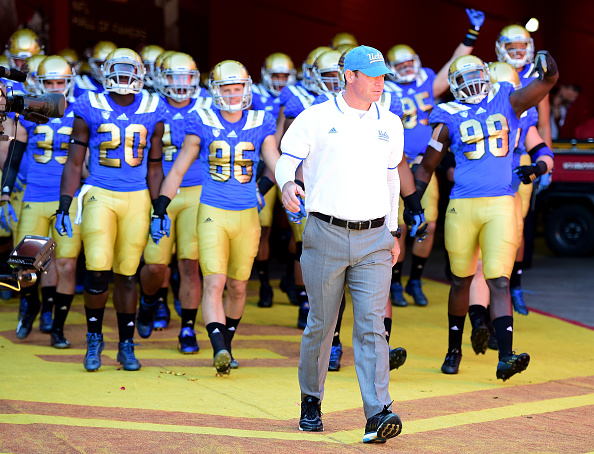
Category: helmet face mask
[326,72]
[178,78]
[230,86]
[277,72]
[123,72]
[404,63]
[515,46]
[30,67]
[55,75]
[308,81]
[469,79]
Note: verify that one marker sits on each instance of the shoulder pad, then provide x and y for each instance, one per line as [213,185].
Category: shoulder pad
[149,103]
[453,107]
[98,101]
[209,118]
[254,119]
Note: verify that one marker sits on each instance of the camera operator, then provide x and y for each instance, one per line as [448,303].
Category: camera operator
[46,153]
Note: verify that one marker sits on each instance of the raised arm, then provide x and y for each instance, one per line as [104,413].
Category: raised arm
[440,84]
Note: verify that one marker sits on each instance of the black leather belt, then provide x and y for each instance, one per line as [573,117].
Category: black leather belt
[350,225]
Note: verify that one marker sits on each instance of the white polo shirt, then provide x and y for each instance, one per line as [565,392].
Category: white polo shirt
[346,158]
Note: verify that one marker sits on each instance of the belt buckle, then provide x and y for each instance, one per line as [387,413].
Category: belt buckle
[358,225]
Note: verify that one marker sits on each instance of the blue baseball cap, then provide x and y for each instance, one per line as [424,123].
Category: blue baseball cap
[368,60]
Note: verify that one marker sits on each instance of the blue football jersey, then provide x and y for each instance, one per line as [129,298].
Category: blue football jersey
[482,139]
[297,100]
[173,138]
[84,83]
[417,100]
[46,154]
[119,138]
[229,153]
[262,99]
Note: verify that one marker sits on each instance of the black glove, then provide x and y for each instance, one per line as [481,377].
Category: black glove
[530,173]
[414,216]
[544,65]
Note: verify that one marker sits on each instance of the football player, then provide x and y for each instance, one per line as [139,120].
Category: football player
[123,129]
[528,138]
[177,82]
[46,153]
[229,141]
[21,45]
[515,46]
[478,128]
[343,38]
[72,58]
[83,82]
[149,54]
[277,72]
[417,87]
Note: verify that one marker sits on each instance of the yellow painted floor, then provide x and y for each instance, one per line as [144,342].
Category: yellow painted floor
[176,403]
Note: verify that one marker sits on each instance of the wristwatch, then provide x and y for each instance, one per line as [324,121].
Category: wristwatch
[396,233]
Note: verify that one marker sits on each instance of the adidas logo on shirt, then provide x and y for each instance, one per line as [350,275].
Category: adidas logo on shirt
[232,135]
[123,117]
[480,110]
[333,131]
[411,91]
[92,199]
[56,120]
[178,116]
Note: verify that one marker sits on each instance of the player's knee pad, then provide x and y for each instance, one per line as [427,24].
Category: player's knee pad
[461,282]
[96,282]
[298,250]
[500,283]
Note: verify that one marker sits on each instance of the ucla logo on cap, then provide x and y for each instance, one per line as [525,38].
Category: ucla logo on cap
[373,58]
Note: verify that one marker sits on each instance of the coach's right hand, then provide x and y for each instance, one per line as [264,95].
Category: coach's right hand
[289,196]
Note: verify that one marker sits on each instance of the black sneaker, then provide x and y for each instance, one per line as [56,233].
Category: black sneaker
[57,340]
[303,313]
[145,318]
[266,295]
[287,285]
[95,345]
[512,364]
[222,362]
[126,355]
[382,426]
[45,322]
[479,338]
[25,325]
[452,361]
[397,357]
[311,415]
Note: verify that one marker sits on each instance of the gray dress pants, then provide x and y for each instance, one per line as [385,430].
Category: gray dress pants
[332,257]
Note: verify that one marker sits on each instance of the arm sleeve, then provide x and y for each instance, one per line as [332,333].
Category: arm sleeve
[285,169]
[394,187]
[11,165]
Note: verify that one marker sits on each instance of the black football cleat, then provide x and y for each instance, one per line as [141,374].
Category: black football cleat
[382,426]
[452,360]
[512,364]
